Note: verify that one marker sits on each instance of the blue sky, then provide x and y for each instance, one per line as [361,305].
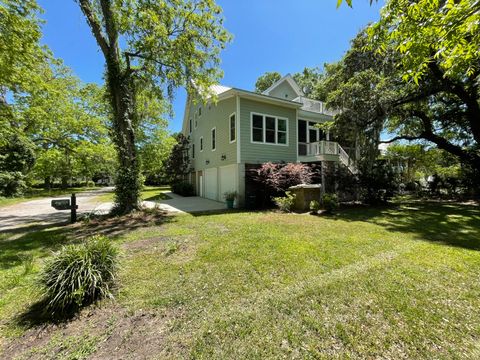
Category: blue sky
[269,35]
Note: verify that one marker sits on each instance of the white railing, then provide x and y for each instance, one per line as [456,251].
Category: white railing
[330,148]
[322,148]
[346,160]
[315,106]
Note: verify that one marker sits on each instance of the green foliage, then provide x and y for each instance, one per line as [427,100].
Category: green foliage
[230,195]
[20,49]
[177,165]
[378,182]
[80,274]
[266,80]
[183,188]
[154,153]
[16,159]
[286,202]
[311,81]
[314,207]
[425,31]
[330,202]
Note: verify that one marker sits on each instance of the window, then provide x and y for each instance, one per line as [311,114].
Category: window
[193,151]
[257,128]
[233,134]
[199,111]
[201,144]
[214,139]
[190,126]
[269,129]
[196,124]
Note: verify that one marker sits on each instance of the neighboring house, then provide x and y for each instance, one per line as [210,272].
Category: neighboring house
[244,129]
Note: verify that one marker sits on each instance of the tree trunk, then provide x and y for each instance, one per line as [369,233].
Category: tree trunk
[127,184]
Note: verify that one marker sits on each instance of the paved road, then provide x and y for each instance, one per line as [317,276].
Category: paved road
[39,212]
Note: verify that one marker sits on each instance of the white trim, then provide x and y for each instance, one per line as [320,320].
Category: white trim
[237,98]
[230,129]
[296,132]
[211,138]
[201,143]
[264,116]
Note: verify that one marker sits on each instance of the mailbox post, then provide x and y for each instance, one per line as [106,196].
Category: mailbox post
[73,209]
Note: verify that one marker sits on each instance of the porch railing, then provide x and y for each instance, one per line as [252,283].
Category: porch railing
[319,148]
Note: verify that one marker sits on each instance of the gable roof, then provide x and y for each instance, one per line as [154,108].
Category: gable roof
[289,79]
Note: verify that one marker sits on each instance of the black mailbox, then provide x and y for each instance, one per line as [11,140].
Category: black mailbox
[61,204]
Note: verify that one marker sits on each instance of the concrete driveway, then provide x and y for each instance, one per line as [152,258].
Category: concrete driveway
[40,212]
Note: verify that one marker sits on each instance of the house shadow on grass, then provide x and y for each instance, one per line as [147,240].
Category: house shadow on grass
[451,224]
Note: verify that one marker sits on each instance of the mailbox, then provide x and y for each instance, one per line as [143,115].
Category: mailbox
[61,204]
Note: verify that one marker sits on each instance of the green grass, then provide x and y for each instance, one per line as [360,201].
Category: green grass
[396,282]
[149,193]
[33,194]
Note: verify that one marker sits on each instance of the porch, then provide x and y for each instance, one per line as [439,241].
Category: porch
[325,150]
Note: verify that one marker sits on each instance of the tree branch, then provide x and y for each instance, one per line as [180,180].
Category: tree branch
[94,24]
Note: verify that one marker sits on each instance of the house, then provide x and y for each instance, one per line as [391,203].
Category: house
[244,129]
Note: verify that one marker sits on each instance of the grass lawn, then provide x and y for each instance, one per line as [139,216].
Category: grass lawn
[32,194]
[395,282]
[149,193]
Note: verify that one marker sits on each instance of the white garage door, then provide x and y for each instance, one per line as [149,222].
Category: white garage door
[211,183]
[228,179]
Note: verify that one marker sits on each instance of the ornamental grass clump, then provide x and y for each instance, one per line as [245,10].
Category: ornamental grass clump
[79,274]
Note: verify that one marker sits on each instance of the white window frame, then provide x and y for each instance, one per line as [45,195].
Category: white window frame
[230,128]
[264,116]
[211,138]
[201,143]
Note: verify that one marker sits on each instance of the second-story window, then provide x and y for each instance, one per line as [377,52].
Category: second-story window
[199,111]
[193,151]
[233,128]
[269,129]
[201,144]
[214,139]
[190,126]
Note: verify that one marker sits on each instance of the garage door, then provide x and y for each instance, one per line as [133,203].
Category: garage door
[211,183]
[228,179]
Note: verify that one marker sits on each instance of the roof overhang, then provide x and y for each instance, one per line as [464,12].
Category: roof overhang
[259,97]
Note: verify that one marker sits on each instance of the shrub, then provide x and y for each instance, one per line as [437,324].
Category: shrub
[330,202]
[230,195]
[314,206]
[80,274]
[183,188]
[285,203]
[90,183]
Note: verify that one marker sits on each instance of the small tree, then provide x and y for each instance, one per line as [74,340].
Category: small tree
[177,165]
[275,179]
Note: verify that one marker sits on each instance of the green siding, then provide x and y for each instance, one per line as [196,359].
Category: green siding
[258,153]
[213,116]
[284,91]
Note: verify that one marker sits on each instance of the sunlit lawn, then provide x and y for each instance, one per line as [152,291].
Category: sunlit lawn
[33,194]
[149,193]
[396,282]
